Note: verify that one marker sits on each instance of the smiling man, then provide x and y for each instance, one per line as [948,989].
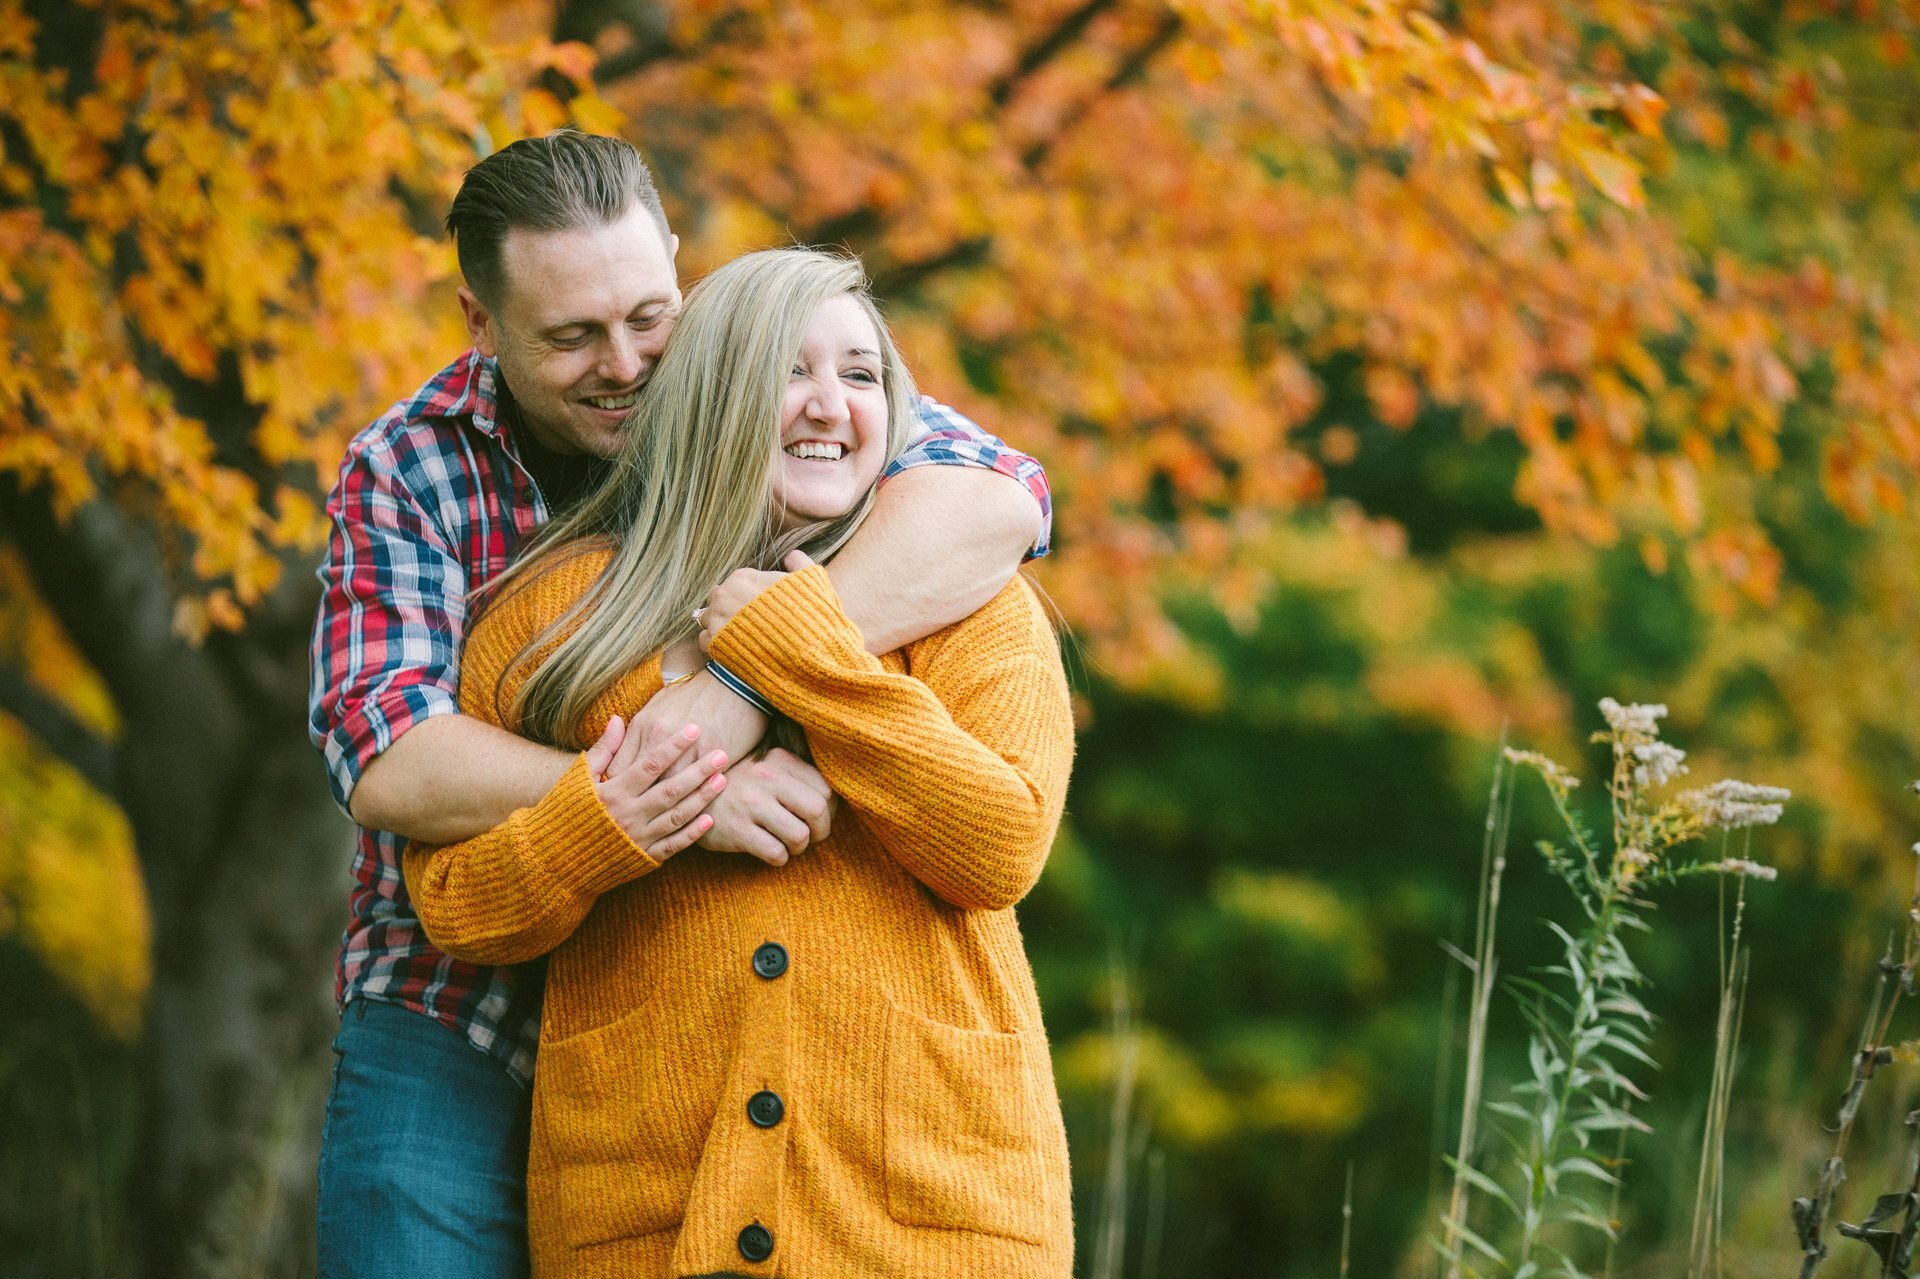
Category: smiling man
[571,293]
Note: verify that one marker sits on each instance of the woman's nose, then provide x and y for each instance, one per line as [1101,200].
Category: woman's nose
[829,402]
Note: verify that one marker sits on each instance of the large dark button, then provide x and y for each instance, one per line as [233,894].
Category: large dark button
[770,959]
[766,1109]
[756,1243]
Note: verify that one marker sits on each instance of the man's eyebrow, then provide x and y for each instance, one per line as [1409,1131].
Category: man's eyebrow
[664,299]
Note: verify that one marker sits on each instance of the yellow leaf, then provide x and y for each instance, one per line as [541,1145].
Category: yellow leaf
[1512,187]
[1615,176]
[595,114]
[1550,190]
[1644,109]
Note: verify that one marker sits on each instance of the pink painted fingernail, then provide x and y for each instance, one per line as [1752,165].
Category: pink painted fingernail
[719,759]
[690,732]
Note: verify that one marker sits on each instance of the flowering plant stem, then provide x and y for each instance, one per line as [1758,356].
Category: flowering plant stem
[1587,1025]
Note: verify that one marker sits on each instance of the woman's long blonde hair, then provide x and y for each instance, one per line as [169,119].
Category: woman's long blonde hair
[691,497]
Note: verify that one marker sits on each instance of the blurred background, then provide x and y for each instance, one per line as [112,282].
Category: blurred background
[1409,374]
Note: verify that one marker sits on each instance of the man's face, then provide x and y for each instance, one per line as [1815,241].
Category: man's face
[582,319]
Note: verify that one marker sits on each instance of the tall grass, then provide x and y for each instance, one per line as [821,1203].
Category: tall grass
[1482,965]
[1709,1195]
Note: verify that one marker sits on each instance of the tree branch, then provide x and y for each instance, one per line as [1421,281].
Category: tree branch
[1130,69]
[892,281]
[1045,50]
[103,577]
[59,730]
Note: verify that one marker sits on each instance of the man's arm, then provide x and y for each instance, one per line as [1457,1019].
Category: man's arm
[956,514]
[383,696]
[940,542]
[451,778]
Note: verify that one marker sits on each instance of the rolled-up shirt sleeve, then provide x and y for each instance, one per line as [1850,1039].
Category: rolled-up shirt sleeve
[943,437]
[386,643]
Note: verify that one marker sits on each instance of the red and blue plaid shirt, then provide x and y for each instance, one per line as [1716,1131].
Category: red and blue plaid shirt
[432,504]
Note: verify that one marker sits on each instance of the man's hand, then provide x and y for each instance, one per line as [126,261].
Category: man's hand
[773,808]
[660,805]
[727,721]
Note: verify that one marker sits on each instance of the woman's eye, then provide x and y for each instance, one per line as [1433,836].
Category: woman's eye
[861,375]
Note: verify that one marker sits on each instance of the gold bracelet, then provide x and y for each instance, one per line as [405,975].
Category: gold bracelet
[679,679]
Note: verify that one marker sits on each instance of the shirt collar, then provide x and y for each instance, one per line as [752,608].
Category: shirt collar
[470,387]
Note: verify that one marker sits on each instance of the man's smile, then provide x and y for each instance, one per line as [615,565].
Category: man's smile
[612,403]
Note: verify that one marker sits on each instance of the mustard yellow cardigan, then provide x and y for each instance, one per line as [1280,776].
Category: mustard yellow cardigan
[834,1069]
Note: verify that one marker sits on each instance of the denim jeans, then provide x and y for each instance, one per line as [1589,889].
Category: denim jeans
[423,1163]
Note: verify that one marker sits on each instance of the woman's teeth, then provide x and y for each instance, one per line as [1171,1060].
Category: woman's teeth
[814,449]
[614,402]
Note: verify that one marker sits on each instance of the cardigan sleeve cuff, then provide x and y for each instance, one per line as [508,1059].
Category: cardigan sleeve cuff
[794,626]
[577,839]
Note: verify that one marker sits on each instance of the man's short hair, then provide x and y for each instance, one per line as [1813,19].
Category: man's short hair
[563,181]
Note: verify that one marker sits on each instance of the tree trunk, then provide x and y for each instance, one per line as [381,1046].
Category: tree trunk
[245,858]
[242,1010]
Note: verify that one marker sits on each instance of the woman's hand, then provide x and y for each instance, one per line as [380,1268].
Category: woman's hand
[738,591]
[657,798]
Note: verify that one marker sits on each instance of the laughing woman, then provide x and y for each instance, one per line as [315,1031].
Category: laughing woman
[827,1070]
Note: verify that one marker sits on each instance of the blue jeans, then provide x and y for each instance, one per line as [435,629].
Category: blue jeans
[423,1162]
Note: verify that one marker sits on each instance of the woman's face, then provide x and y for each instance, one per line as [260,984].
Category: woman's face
[833,425]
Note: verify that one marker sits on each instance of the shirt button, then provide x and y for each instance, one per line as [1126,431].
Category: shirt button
[770,960]
[756,1243]
[766,1109]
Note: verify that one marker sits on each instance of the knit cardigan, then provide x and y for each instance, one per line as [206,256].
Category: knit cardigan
[834,1069]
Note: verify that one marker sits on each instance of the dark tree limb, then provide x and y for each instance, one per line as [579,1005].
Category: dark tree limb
[58,729]
[903,277]
[1044,50]
[105,580]
[1130,70]
[650,33]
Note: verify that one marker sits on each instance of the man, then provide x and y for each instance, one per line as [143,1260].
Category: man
[570,295]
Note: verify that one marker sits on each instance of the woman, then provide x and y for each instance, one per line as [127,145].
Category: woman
[835,1068]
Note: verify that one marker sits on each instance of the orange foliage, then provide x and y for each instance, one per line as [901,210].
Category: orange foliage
[1123,233]
[1082,232]
[232,197]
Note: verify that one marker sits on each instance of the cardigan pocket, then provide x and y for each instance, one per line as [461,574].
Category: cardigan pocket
[963,1139]
[624,1118]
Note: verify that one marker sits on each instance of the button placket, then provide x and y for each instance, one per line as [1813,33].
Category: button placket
[738,1195]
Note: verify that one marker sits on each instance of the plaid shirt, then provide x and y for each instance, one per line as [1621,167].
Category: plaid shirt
[433,502]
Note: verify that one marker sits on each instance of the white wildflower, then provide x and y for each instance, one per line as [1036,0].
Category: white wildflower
[1659,763]
[1635,718]
[1733,805]
[1630,863]
[1741,866]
